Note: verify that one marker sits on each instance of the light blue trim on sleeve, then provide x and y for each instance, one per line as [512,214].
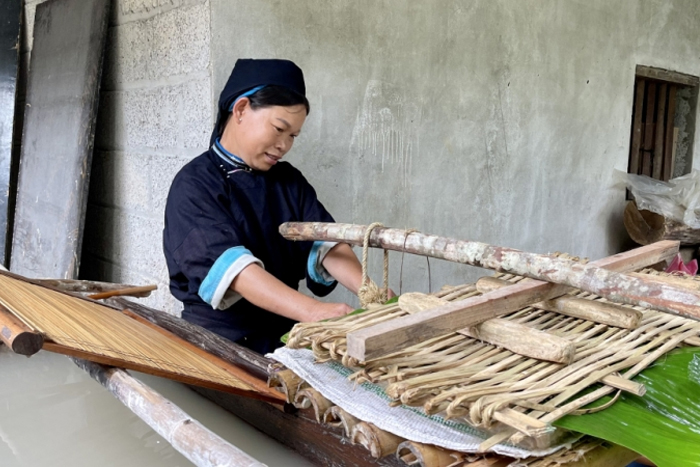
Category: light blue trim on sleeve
[225,269]
[314,268]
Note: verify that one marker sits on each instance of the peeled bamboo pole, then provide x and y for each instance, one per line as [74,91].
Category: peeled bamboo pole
[611,285]
[189,437]
[599,312]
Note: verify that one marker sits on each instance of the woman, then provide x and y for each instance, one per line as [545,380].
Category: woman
[234,273]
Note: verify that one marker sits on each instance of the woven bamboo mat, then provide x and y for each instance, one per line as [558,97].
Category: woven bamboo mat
[493,389]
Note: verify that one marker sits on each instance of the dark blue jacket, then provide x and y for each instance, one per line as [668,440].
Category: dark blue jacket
[216,215]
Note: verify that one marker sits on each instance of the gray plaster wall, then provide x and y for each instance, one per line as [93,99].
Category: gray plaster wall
[496,120]
[500,121]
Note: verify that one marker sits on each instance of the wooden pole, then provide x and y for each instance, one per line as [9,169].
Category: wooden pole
[17,336]
[611,285]
[189,437]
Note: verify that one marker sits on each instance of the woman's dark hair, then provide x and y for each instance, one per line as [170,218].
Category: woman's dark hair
[277,95]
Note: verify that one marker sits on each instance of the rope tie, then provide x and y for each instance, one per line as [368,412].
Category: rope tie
[369,291]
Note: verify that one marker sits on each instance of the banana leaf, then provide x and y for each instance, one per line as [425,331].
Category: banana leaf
[664,424]
[285,338]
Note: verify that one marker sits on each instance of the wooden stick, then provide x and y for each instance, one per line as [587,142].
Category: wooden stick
[523,340]
[189,437]
[75,285]
[599,312]
[516,337]
[17,335]
[590,277]
[141,291]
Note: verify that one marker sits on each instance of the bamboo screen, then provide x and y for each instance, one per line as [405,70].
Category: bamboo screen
[82,328]
[462,377]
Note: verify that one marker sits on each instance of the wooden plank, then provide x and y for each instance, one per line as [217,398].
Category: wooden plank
[17,336]
[189,437]
[657,164]
[648,137]
[10,26]
[635,156]
[670,150]
[667,75]
[59,128]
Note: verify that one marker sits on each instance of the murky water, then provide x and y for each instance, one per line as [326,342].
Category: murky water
[53,414]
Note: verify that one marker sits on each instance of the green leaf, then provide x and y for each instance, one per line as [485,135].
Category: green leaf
[664,425]
[285,338]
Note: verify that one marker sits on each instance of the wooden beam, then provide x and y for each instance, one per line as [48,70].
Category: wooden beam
[667,75]
[17,336]
[189,437]
[591,277]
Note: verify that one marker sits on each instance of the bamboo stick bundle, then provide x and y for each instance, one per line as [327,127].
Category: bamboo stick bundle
[85,329]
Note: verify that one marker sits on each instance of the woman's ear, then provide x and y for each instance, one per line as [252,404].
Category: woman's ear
[240,108]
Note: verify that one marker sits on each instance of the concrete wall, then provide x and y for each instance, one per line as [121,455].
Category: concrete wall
[499,121]
[154,116]
[493,120]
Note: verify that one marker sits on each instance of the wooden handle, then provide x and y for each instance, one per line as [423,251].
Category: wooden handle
[17,336]
[142,291]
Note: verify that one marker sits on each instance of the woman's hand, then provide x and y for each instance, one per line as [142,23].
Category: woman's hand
[324,310]
[264,290]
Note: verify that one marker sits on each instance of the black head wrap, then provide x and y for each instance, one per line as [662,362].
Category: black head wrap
[249,73]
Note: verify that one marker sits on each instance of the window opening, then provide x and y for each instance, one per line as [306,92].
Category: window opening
[663,123]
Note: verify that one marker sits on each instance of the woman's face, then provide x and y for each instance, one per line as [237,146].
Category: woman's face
[262,137]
